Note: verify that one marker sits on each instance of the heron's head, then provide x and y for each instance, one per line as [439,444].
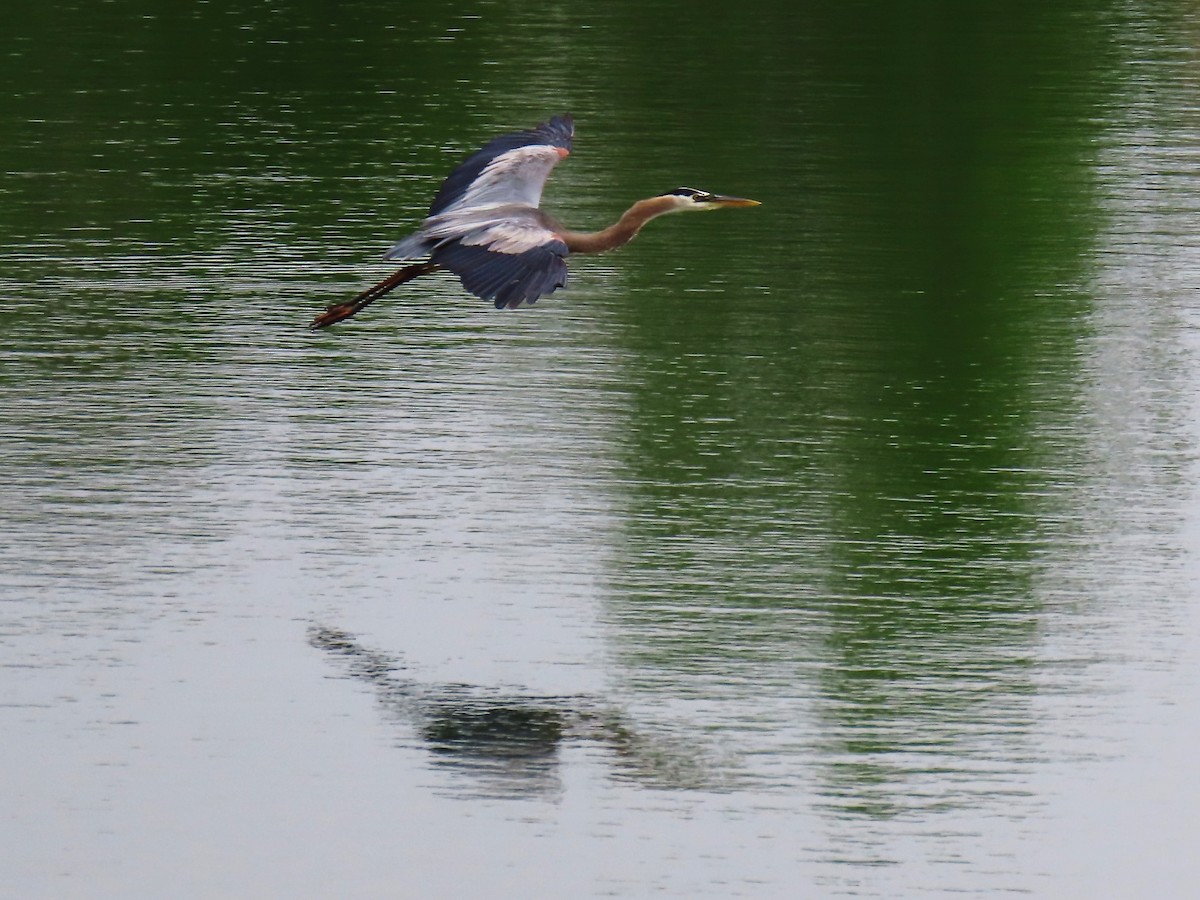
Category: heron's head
[686,198]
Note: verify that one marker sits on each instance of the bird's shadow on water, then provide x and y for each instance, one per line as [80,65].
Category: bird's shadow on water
[508,743]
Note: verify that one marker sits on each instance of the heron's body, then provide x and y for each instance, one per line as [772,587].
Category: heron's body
[485,224]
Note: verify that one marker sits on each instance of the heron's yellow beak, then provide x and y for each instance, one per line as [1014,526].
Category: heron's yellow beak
[722,200]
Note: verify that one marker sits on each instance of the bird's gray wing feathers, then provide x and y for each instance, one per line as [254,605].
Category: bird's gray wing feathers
[516,177]
[507,228]
[506,175]
[509,261]
[485,226]
[525,156]
[415,246]
[507,280]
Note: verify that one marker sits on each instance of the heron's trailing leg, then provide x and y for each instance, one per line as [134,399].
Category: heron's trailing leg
[340,311]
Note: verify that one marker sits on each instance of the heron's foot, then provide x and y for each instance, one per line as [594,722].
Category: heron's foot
[334,314]
[345,310]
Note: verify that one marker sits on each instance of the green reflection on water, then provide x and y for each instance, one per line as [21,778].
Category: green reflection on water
[848,411]
[852,456]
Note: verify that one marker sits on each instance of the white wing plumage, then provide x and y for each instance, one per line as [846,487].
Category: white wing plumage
[516,177]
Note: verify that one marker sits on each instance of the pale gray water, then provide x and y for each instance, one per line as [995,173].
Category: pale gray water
[849,549]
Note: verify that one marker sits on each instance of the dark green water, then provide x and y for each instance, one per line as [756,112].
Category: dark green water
[845,546]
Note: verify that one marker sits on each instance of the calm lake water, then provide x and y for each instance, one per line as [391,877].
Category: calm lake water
[844,547]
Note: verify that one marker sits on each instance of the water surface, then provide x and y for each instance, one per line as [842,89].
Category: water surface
[841,547]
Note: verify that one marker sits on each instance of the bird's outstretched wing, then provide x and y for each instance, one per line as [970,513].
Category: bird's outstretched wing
[485,225]
[512,259]
[509,169]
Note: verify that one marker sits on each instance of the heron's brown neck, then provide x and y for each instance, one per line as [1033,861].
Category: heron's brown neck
[620,232]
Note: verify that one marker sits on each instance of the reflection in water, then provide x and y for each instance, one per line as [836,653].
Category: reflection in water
[890,490]
[508,744]
[846,496]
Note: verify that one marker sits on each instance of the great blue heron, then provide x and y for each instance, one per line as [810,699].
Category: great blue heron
[485,225]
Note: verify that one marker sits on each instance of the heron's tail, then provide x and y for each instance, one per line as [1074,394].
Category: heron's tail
[339,311]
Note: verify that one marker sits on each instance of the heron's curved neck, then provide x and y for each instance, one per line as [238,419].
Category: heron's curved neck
[620,232]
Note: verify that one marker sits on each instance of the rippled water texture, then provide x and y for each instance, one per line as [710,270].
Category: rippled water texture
[842,547]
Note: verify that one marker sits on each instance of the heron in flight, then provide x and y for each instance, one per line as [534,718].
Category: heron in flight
[485,225]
